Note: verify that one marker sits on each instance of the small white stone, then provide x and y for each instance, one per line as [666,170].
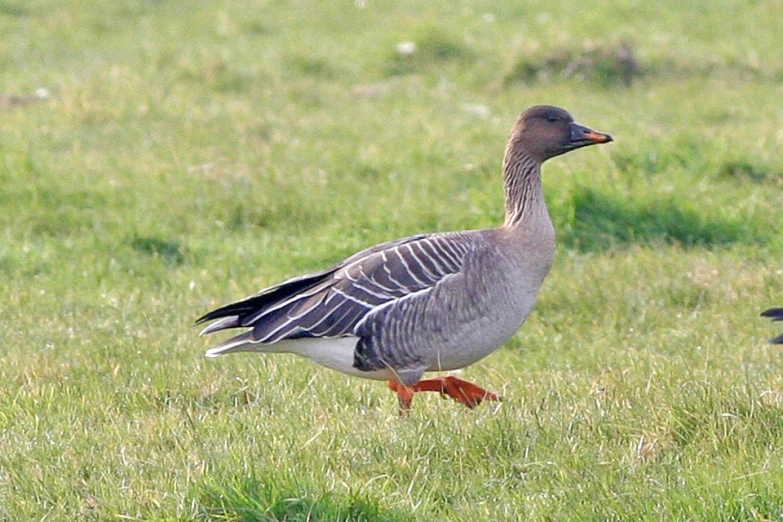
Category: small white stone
[406,48]
[476,109]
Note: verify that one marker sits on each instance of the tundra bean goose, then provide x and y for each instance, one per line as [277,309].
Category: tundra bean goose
[424,303]
[776,314]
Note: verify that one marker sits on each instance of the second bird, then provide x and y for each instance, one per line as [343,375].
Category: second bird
[430,302]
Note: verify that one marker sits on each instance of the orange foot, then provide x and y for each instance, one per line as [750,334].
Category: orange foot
[461,391]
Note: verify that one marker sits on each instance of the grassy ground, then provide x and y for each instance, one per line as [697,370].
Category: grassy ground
[188,153]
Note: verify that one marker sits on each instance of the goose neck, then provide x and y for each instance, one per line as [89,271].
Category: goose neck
[524,193]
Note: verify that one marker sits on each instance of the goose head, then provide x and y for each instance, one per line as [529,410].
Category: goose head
[543,132]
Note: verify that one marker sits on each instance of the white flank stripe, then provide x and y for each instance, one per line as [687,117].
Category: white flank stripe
[428,251]
[410,272]
[420,263]
[449,254]
[398,283]
[349,297]
[387,304]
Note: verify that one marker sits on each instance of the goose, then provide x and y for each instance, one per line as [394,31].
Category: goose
[429,302]
[776,314]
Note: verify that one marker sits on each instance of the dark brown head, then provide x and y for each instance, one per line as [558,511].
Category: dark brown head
[544,132]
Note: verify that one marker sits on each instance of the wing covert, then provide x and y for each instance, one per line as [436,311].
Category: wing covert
[333,302]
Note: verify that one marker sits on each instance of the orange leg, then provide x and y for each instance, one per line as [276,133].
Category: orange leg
[461,391]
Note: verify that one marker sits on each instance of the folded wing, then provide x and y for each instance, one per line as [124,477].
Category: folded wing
[333,302]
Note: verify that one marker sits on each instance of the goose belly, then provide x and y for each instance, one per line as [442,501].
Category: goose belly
[336,354]
[484,337]
[475,339]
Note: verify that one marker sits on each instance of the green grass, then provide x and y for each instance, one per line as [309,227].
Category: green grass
[190,153]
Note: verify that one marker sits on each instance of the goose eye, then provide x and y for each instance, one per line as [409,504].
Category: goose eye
[551,119]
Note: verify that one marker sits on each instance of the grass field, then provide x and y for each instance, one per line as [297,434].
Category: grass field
[161,158]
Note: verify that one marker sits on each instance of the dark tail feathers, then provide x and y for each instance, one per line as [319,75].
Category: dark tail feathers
[776,314]
[270,296]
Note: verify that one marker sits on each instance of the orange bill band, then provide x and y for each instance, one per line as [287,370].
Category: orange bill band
[597,137]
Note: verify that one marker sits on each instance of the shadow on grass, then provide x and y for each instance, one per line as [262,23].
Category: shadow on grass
[273,500]
[218,74]
[607,64]
[744,170]
[11,9]
[612,63]
[314,66]
[602,221]
[170,251]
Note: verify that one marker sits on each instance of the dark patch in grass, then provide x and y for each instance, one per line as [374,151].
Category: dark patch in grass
[433,46]
[9,9]
[313,66]
[103,27]
[606,64]
[217,74]
[616,63]
[232,82]
[256,27]
[439,46]
[601,222]
[746,171]
[7,265]
[369,172]
[276,499]
[23,265]
[170,251]
[10,100]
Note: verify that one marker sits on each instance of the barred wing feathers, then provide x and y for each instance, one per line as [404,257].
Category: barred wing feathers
[331,303]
